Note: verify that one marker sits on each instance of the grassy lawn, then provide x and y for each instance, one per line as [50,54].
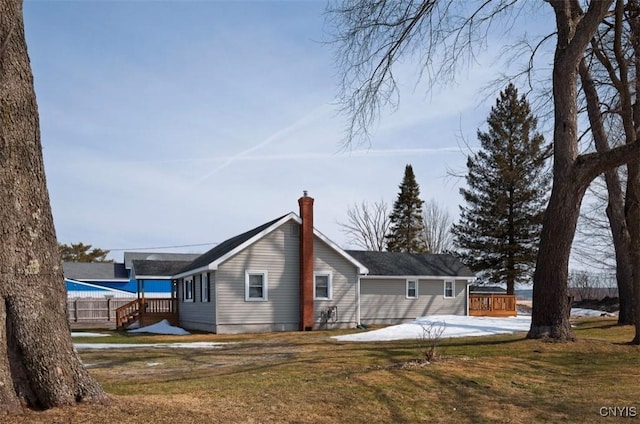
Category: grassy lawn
[310,378]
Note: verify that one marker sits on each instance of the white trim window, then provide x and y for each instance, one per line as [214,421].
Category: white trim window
[412,289]
[449,289]
[322,285]
[256,286]
[187,289]
[204,288]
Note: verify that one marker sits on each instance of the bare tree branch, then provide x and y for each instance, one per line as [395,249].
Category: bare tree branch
[437,227]
[367,224]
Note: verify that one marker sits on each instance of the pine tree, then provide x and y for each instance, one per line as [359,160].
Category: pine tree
[500,225]
[407,226]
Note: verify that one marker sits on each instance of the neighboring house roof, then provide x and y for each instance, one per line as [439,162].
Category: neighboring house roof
[156,256]
[156,269]
[81,286]
[228,248]
[94,271]
[411,264]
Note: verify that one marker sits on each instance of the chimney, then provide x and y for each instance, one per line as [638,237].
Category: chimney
[306,263]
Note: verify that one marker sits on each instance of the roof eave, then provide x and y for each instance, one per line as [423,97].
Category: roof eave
[193,271]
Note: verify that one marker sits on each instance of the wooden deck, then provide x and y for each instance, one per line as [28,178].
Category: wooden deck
[147,312]
[492,305]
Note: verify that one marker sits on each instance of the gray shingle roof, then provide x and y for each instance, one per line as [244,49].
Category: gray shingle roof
[411,264]
[157,256]
[94,271]
[227,246]
[141,267]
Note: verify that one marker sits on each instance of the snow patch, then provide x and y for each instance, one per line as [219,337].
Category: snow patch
[162,327]
[83,334]
[194,345]
[456,326]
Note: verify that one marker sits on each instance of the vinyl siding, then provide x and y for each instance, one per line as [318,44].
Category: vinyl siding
[197,315]
[278,254]
[344,287]
[383,301]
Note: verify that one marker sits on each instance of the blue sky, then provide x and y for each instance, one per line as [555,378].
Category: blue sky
[180,123]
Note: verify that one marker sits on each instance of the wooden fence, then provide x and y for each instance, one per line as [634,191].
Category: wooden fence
[94,310]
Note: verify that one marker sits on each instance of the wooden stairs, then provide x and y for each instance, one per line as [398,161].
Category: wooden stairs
[146,312]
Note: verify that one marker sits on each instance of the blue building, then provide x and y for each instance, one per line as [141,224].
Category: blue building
[148,273]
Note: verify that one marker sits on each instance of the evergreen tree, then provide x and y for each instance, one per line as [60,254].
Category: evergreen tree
[407,226]
[80,252]
[507,190]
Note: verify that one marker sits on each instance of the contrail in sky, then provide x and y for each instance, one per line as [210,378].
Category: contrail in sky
[311,155]
[277,135]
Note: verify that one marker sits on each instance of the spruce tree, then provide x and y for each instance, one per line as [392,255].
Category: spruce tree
[508,182]
[407,226]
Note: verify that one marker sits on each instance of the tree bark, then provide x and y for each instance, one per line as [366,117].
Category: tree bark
[632,208]
[632,199]
[550,314]
[39,366]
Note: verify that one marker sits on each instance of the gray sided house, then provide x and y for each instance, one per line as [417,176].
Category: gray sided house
[281,276]
[403,286]
[285,275]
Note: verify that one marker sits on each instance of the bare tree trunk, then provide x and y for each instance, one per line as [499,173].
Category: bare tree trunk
[551,306]
[621,245]
[39,366]
[615,206]
[632,207]
[550,314]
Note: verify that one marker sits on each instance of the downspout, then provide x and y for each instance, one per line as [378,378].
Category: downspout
[358,299]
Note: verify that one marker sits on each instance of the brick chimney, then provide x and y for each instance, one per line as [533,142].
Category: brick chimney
[306,263]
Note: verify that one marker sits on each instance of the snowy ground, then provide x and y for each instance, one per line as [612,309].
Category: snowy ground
[163,327]
[454,326]
[189,345]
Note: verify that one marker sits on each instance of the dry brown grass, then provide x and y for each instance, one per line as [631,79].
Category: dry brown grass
[308,377]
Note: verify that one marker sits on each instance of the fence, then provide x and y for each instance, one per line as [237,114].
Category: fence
[94,310]
[492,305]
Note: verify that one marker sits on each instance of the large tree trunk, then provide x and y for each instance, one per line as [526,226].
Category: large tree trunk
[551,306]
[571,173]
[39,366]
[632,207]
[632,200]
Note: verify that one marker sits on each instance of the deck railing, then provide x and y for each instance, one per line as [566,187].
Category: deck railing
[138,309]
[492,305]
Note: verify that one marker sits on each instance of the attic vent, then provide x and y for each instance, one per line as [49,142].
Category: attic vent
[295,230]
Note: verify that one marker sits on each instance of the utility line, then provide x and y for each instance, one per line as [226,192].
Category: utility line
[162,247]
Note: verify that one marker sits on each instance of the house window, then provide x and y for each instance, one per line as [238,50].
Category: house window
[322,285]
[187,292]
[256,285]
[449,289]
[412,289]
[204,288]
